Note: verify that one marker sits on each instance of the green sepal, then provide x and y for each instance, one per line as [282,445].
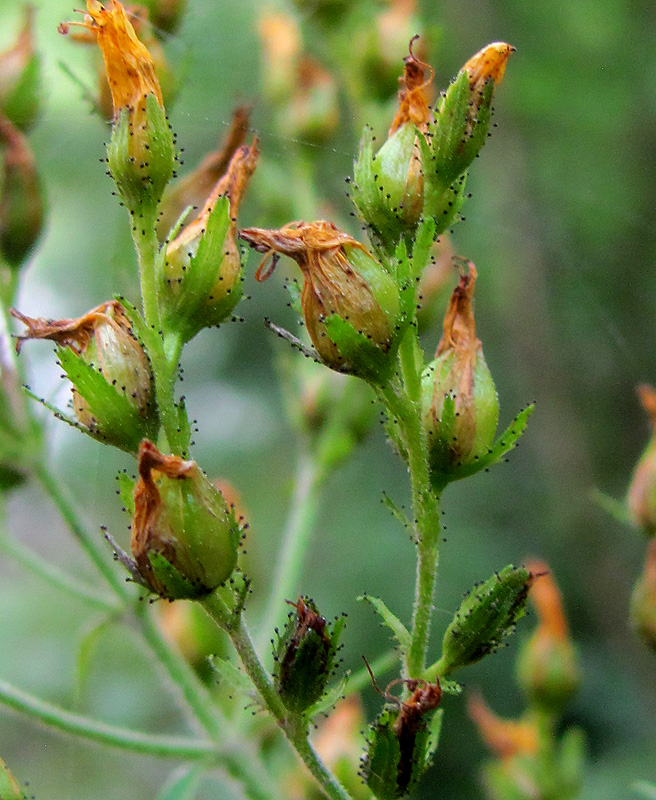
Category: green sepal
[117,421]
[456,136]
[141,162]
[502,445]
[9,788]
[126,491]
[367,360]
[380,767]
[294,291]
[380,184]
[486,616]
[189,309]
[230,675]
[401,633]
[434,733]
[305,658]
[23,104]
[327,700]
[174,584]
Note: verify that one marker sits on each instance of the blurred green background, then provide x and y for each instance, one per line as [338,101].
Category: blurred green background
[561,229]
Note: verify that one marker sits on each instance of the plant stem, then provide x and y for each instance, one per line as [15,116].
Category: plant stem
[239,760]
[292,727]
[147,247]
[124,739]
[57,494]
[298,529]
[405,406]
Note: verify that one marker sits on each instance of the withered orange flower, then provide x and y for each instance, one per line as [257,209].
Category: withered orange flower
[504,737]
[341,278]
[73,333]
[194,188]
[414,93]
[129,66]
[641,497]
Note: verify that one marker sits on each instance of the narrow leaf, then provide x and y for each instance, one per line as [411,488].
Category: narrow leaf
[231,675]
[332,696]
[183,783]
[391,620]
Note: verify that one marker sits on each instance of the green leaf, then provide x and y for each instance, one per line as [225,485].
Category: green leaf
[397,511]
[87,647]
[183,783]
[231,675]
[391,620]
[422,246]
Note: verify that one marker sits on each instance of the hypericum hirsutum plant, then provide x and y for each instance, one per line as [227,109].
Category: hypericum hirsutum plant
[362,304]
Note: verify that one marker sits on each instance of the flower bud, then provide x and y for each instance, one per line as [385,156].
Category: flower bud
[641,498]
[350,303]
[21,198]
[461,407]
[420,170]
[486,616]
[547,666]
[140,152]
[184,535]
[305,656]
[20,77]
[109,370]
[389,187]
[194,188]
[462,121]
[402,740]
[643,600]
[281,46]
[202,271]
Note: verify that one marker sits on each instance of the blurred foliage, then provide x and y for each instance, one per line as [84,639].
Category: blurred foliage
[562,234]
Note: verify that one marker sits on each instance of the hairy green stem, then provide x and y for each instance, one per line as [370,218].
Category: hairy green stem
[147,247]
[298,529]
[292,727]
[92,730]
[405,406]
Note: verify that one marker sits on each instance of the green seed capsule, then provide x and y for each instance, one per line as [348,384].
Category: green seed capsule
[486,616]
[305,656]
[403,740]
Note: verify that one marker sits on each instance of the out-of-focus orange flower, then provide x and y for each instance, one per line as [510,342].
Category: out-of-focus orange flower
[641,498]
[504,737]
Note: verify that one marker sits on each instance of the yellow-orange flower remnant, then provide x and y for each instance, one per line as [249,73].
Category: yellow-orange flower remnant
[129,66]
[140,153]
[414,93]
[117,409]
[490,62]
[643,600]
[547,666]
